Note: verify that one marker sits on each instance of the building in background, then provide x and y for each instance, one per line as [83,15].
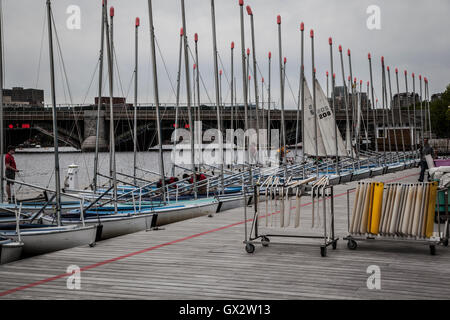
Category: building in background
[18,96]
[404,97]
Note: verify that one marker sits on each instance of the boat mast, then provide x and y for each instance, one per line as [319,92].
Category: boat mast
[407,106]
[244,80]
[400,114]
[392,113]
[353,104]
[348,145]
[374,109]
[414,111]
[55,121]
[421,111]
[156,97]
[112,144]
[300,94]
[197,88]
[135,97]
[100,88]
[282,74]
[330,42]
[177,105]
[269,136]
[188,94]
[217,88]
[383,104]
[302,85]
[2,163]
[368,116]
[428,105]
[255,78]
[314,103]
[232,88]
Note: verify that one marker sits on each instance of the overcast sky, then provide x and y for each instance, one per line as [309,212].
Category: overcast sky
[414,35]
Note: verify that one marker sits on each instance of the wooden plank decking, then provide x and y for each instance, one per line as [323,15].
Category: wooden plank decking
[204,258]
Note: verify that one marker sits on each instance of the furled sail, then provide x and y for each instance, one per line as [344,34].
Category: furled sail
[326,123]
[308,140]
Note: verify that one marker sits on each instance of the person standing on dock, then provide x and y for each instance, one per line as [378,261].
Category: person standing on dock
[425,150]
[10,171]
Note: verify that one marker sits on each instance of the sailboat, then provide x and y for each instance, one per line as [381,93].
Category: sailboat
[38,239]
[121,220]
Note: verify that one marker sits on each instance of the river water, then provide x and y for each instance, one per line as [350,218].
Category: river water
[38,169]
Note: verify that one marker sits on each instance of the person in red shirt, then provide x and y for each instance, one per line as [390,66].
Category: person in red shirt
[10,170]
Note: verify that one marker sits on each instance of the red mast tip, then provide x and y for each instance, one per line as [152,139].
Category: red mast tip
[249,11]
[263,80]
[270,55]
[387,68]
[278,19]
[181,31]
[420,77]
[334,75]
[382,59]
[327,73]
[111,12]
[369,56]
[340,48]
[348,52]
[138,22]
[406,72]
[196,37]
[248,51]
[312,33]
[302,26]
[220,72]
[396,70]
[330,41]
[232,45]
[285,60]
[413,75]
[241,2]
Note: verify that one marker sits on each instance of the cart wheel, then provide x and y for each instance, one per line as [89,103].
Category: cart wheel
[432,250]
[352,245]
[323,251]
[93,244]
[265,241]
[334,245]
[250,248]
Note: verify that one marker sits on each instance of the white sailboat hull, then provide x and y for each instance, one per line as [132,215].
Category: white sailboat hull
[50,239]
[119,225]
[186,213]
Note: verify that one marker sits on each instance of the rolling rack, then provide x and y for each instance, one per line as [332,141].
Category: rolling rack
[321,195]
[432,242]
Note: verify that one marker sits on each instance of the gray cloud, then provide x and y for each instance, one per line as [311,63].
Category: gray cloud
[414,36]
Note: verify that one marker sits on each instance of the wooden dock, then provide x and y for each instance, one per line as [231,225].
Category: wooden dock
[204,258]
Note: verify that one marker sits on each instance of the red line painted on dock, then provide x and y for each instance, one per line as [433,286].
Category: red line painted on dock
[40,282]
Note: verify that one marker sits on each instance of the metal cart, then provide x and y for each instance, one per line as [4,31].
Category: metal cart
[431,242]
[328,239]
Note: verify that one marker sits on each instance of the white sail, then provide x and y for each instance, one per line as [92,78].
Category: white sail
[327,124]
[309,147]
